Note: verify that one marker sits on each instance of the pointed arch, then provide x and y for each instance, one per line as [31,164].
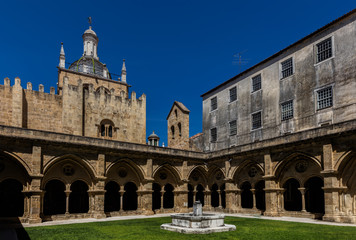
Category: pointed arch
[215,175]
[18,160]
[213,168]
[80,160]
[277,170]
[136,169]
[343,161]
[171,169]
[203,171]
[244,164]
[14,167]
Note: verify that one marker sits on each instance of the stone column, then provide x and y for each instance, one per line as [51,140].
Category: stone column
[67,192]
[230,190]
[219,192]
[207,203]
[96,208]
[238,200]
[271,188]
[194,196]
[121,198]
[254,198]
[26,212]
[162,192]
[302,191]
[36,196]
[331,186]
[146,199]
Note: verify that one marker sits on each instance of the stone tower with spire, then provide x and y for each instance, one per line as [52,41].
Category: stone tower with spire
[95,104]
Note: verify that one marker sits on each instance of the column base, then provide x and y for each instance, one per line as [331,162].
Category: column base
[99,215]
[34,220]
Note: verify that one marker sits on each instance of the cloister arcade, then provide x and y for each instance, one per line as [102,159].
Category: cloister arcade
[69,187]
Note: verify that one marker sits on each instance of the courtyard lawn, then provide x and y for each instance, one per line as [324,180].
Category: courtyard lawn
[150,229]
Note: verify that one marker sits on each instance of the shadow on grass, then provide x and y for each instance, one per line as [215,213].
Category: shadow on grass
[12,229]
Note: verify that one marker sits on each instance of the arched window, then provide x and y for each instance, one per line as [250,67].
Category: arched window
[106,128]
[172,130]
[176,113]
[180,129]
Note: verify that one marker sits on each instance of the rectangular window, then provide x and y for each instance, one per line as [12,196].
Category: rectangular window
[256,83]
[256,120]
[214,103]
[324,98]
[287,68]
[324,50]
[213,135]
[233,128]
[287,110]
[233,94]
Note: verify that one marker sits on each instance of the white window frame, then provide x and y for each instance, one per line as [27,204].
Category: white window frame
[252,90]
[280,67]
[286,102]
[316,92]
[316,49]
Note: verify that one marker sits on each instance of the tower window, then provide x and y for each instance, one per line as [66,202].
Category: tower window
[172,130]
[180,129]
[106,129]
[176,113]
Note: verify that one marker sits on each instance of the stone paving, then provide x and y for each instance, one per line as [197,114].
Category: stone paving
[88,220]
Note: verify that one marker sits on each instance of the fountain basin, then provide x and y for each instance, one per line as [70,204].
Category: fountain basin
[203,224]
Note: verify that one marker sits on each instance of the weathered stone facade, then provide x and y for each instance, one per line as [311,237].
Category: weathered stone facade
[56,164]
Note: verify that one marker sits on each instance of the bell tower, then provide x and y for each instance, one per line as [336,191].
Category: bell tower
[178,126]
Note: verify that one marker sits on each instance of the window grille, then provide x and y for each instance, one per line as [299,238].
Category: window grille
[213,135]
[324,50]
[256,83]
[233,128]
[233,94]
[287,68]
[214,103]
[287,110]
[325,98]
[256,120]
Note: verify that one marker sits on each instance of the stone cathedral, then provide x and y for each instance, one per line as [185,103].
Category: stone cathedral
[279,139]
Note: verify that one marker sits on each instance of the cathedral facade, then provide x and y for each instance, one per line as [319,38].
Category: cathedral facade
[278,139]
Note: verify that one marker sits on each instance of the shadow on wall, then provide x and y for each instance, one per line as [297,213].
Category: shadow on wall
[12,229]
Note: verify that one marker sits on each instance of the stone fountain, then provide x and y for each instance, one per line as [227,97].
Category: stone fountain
[198,222]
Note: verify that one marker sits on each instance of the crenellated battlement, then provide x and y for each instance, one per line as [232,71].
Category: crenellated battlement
[29,86]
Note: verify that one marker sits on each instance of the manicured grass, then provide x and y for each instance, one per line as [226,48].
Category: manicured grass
[150,229]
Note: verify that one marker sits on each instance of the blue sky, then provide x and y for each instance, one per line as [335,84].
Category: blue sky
[174,50]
